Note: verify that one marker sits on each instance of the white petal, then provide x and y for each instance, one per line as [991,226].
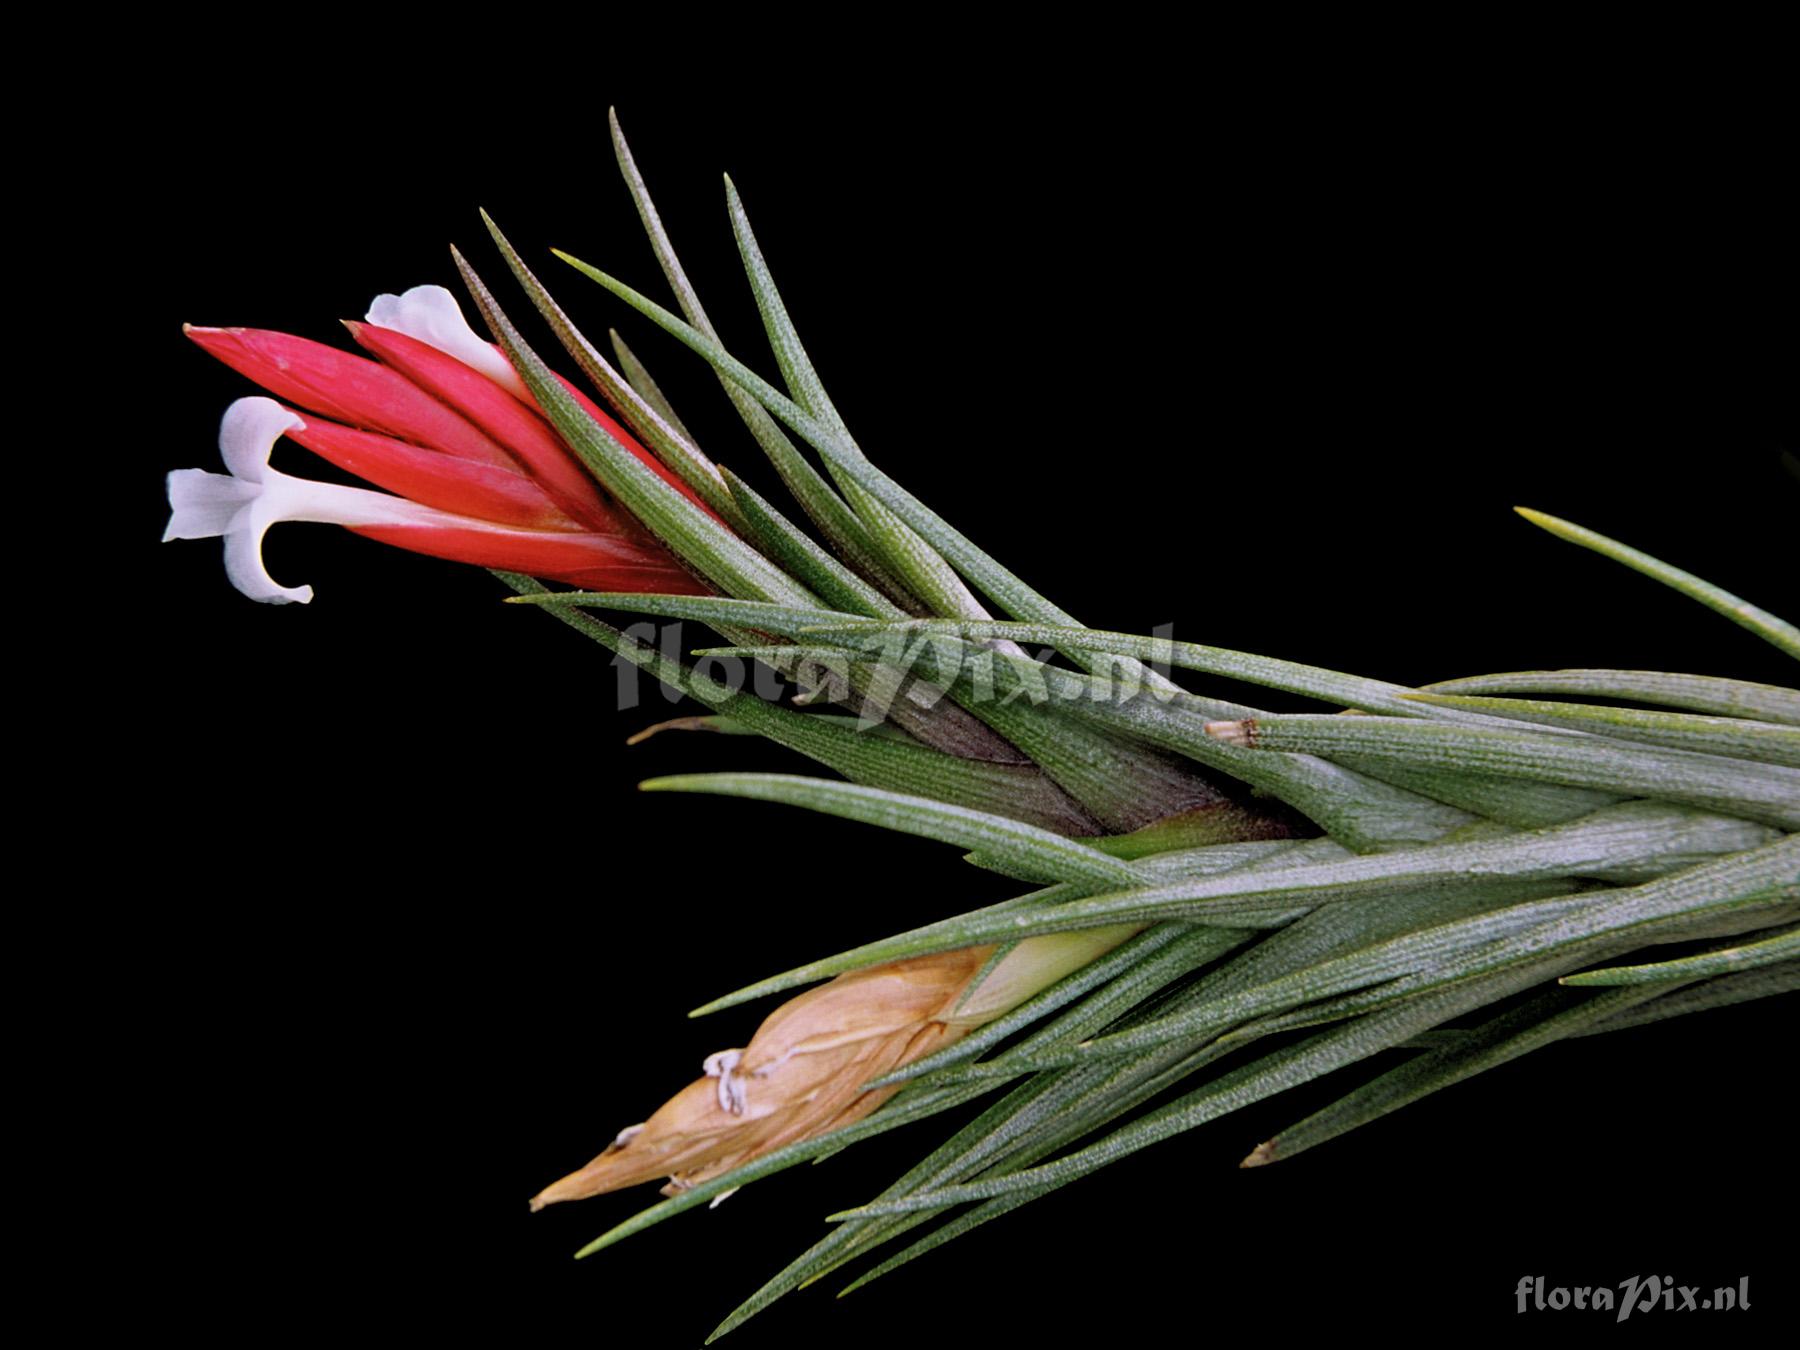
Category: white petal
[243,506]
[248,433]
[431,314]
[285,497]
[202,504]
[244,564]
[282,497]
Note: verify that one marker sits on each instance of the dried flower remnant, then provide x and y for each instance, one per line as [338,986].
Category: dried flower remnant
[803,1072]
[800,1076]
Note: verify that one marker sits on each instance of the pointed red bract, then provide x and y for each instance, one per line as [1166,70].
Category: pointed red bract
[524,434]
[349,388]
[606,562]
[463,486]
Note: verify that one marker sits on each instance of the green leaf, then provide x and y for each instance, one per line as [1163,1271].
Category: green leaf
[1733,737]
[647,388]
[835,520]
[1759,621]
[1699,693]
[1126,785]
[905,554]
[1766,951]
[1762,792]
[695,537]
[1190,829]
[836,584]
[1719,992]
[1195,948]
[671,444]
[1543,1021]
[1361,812]
[1036,853]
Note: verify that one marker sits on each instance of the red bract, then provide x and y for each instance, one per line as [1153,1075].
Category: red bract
[480,475]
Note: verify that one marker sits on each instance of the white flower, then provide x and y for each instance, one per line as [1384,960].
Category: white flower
[243,506]
[431,315]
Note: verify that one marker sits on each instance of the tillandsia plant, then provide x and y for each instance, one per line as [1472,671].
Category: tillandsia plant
[1217,903]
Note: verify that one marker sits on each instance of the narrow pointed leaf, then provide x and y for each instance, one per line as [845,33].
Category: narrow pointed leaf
[909,557]
[647,388]
[1697,693]
[834,583]
[1781,946]
[1764,742]
[695,537]
[761,614]
[1543,1021]
[1038,853]
[671,445]
[834,518]
[1759,621]
[1722,991]
[1762,792]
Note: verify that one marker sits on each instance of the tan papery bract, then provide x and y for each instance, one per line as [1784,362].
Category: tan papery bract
[800,1076]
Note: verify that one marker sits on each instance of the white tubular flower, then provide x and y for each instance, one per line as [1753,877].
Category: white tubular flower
[431,315]
[242,506]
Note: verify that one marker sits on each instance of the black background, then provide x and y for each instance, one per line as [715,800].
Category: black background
[1210,342]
